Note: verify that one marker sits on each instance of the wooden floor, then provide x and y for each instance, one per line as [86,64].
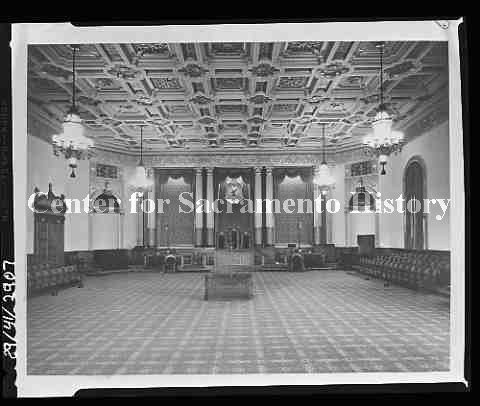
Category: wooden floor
[312,322]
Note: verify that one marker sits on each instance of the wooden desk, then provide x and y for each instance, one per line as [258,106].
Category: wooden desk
[231,277]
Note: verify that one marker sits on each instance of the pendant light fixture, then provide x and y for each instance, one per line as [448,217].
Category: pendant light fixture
[72,142]
[382,141]
[323,178]
[140,180]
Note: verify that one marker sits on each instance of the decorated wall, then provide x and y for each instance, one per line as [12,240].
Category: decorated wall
[84,232]
[44,168]
[112,230]
[433,149]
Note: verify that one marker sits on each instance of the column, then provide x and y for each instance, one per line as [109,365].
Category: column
[329,228]
[120,230]
[198,216]
[377,229]
[116,234]
[425,230]
[378,212]
[258,206]
[347,226]
[151,220]
[323,217]
[210,229]
[269,219]
[139,220]
[317,208]
[90,228]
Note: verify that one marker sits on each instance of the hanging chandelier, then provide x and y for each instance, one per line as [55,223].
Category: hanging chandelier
[382,141]
[323,178]
[140,180]
[72,142]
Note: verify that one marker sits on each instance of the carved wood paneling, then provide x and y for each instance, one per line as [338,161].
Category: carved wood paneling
[49,238]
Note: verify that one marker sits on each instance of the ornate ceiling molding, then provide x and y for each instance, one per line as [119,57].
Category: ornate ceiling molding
[225,95]
[264,70]
[333,70]
[193,70]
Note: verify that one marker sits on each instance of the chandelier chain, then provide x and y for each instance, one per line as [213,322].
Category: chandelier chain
[141,145]
[74,86]
[381,74]
[72,142]
[382,142]
[323,148]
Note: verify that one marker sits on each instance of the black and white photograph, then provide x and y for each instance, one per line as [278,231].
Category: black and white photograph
[237,205]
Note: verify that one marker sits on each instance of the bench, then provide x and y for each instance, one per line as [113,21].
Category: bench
[111,259]
[417,270]
[43,276]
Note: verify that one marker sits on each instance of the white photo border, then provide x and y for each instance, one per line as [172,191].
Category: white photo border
[25,34]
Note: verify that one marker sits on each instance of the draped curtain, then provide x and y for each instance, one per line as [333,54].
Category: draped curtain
[173,227]
[304,173]
[162,176]
[293,183]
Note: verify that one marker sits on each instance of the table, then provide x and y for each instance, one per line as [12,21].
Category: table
[229,285]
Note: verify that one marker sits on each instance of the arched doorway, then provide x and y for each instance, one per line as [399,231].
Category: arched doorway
[361,217]
[414,190]
[106,222]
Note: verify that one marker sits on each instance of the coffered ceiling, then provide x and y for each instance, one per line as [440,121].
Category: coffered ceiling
[208,96]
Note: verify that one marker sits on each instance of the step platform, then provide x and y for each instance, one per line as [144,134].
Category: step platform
[274,268]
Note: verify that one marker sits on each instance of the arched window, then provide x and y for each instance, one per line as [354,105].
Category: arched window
[414,182]
[106,203]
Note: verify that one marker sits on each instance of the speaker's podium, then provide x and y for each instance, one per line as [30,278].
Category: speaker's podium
[231,277]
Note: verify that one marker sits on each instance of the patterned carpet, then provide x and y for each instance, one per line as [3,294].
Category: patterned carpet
[324,321]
